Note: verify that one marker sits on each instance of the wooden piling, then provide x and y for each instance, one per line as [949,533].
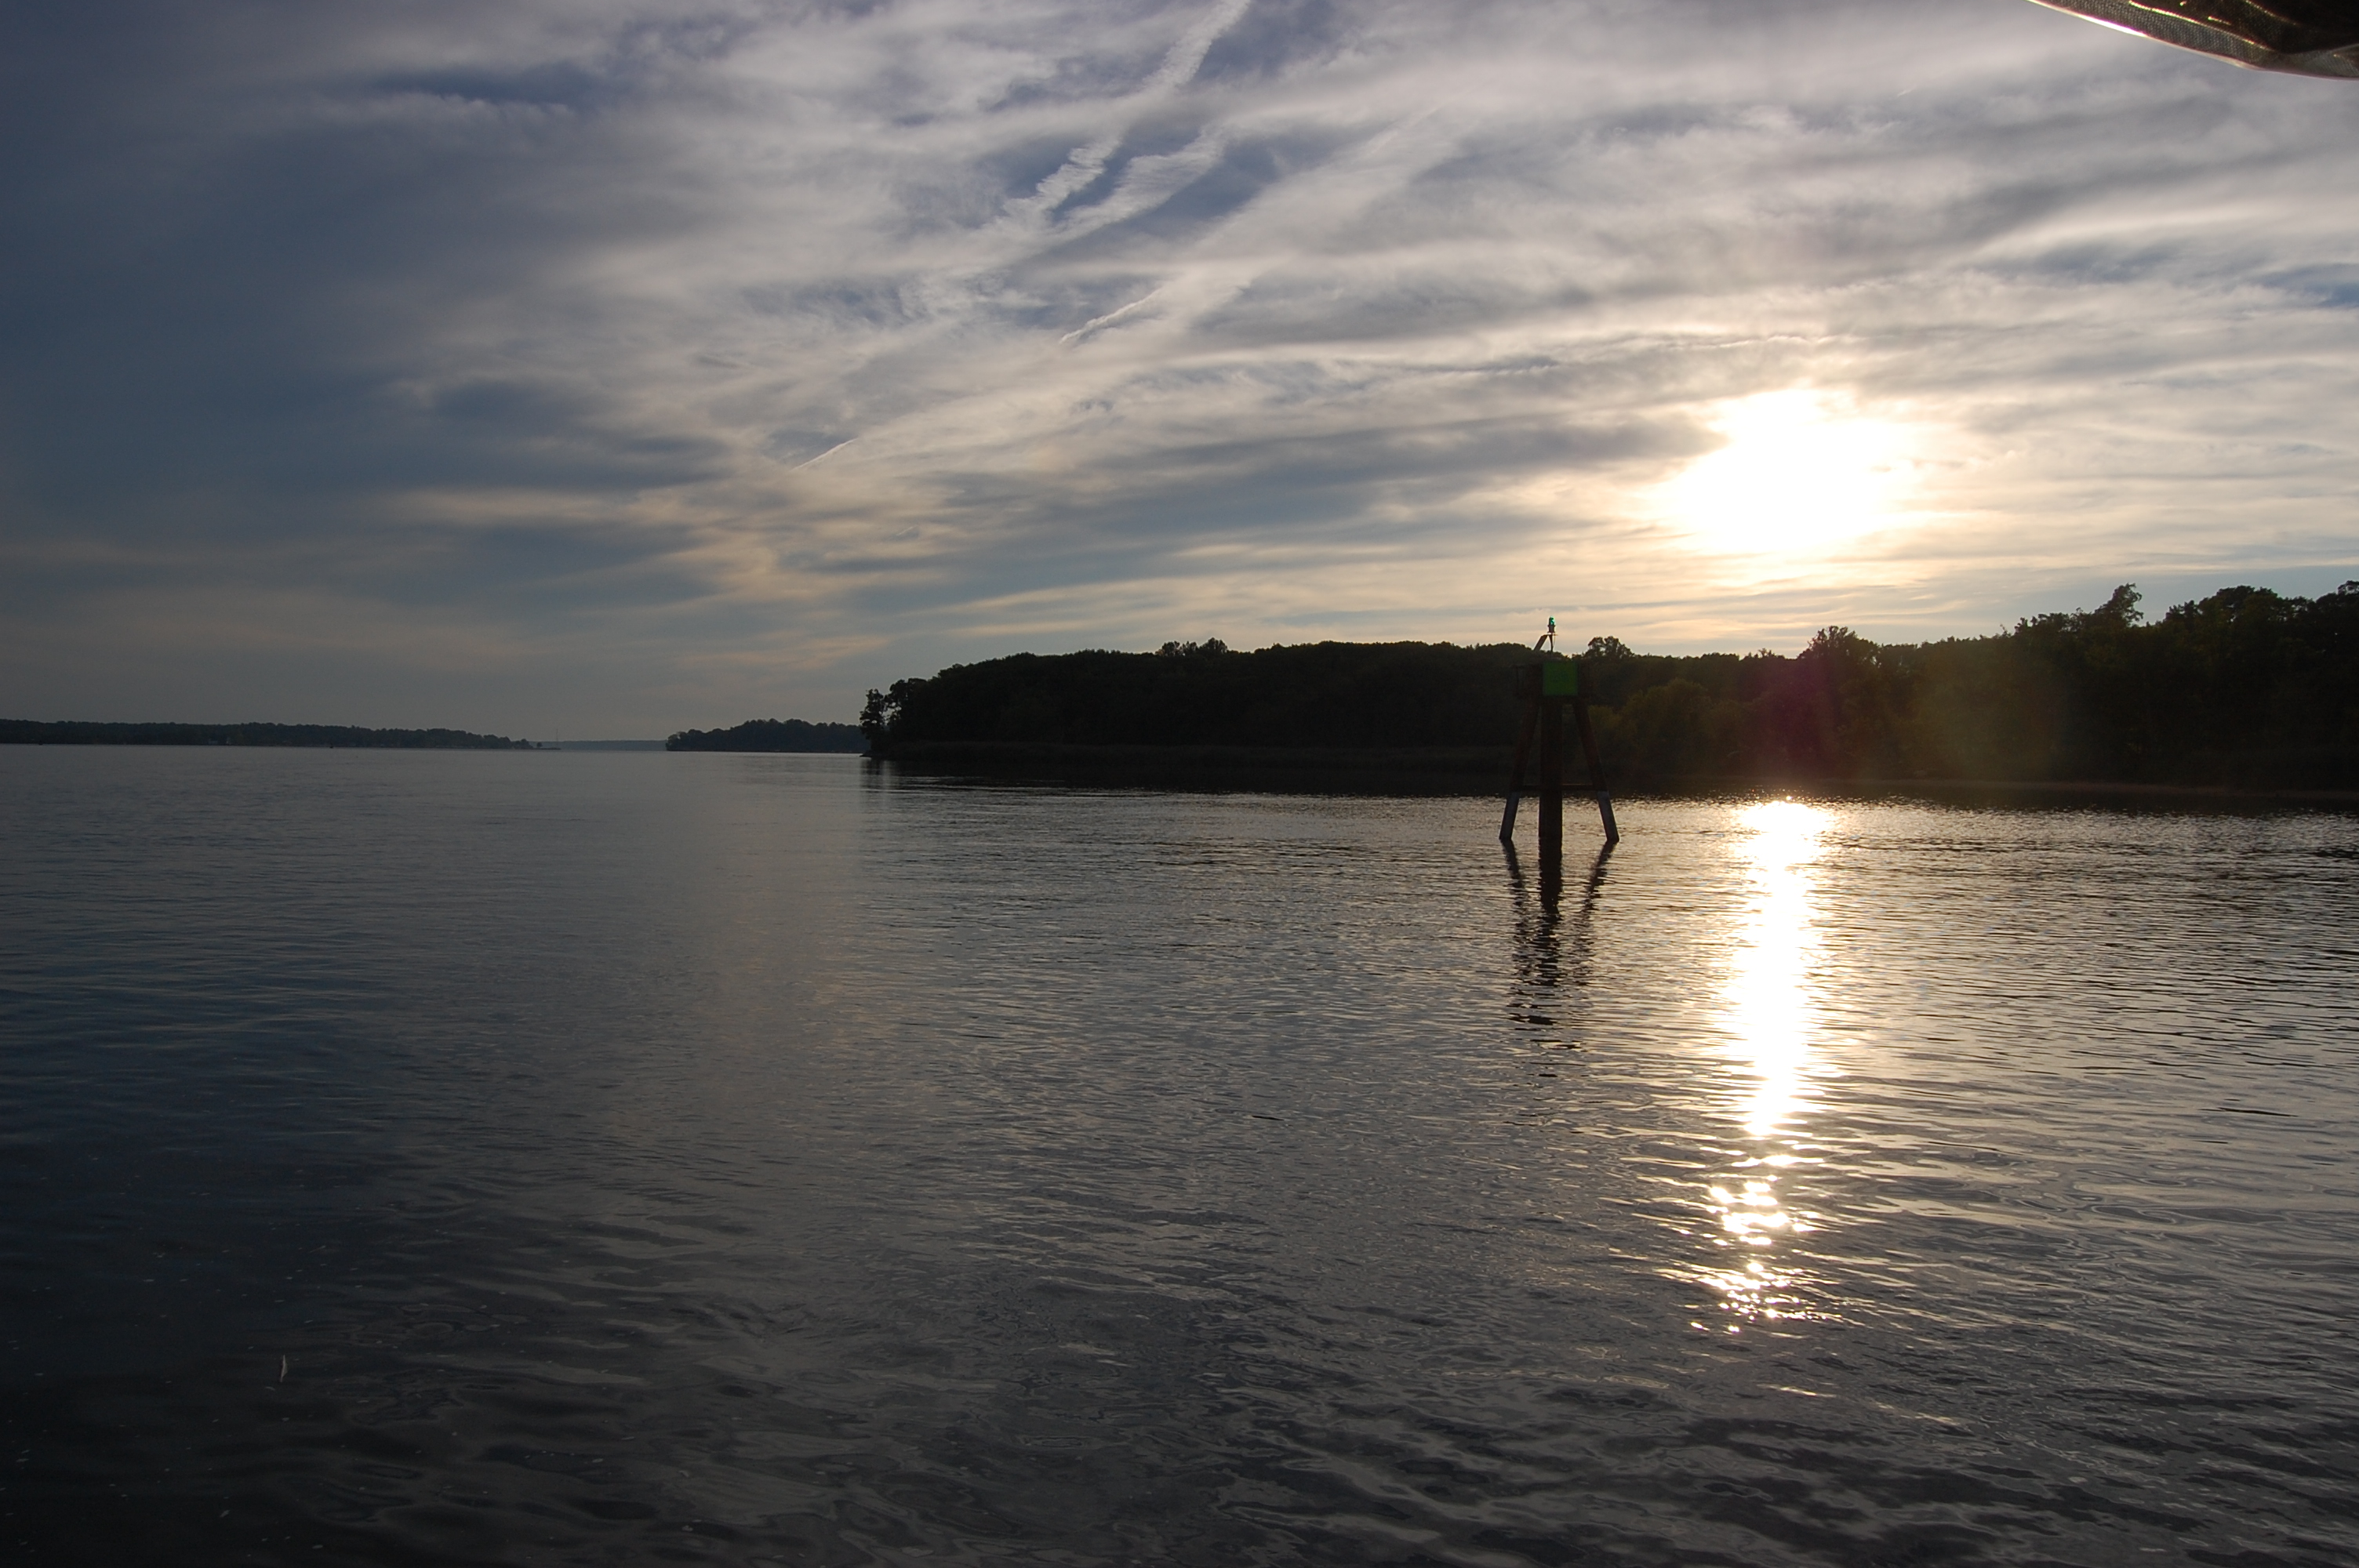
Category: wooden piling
[1523,757]
[1551,779]
[1596,770]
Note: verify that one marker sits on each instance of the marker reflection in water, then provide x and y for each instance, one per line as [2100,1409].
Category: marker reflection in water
[1771,1018]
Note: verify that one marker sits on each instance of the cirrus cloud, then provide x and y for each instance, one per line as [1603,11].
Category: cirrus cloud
[534,366]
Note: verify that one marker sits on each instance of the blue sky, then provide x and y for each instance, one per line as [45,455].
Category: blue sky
[590,368]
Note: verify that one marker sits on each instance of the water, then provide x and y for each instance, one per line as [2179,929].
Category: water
[415,1157]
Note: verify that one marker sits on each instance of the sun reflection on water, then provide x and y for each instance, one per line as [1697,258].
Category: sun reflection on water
[1771,1018]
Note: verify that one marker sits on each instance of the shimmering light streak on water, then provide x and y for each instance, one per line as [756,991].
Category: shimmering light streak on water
[1770,1011]
[618,1159]
[1772,1019]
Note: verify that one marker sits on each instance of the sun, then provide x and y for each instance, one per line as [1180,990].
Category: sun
[1800,470]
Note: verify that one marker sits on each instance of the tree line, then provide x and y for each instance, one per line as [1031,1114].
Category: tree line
[771,735]
[2247,687]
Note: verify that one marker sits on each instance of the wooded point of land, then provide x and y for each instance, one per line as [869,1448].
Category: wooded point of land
[2246,687]
[772,735]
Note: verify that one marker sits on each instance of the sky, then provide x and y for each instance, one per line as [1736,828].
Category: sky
[590,368]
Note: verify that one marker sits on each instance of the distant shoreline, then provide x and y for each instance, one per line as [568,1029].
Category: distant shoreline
[1476,771]
[772,735]
[73,732]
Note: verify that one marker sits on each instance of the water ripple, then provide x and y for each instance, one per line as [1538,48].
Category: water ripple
[608,1158]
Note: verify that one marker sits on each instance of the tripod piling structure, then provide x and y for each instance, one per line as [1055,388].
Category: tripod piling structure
[1549,686]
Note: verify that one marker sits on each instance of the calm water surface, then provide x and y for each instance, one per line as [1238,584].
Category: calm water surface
[447,1158]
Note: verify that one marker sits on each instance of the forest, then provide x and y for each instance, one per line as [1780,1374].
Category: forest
[771,735]
[2245,688]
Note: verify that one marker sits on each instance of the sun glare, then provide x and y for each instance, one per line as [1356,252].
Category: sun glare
[1771,1020]
[1800,470]
[1770,1011]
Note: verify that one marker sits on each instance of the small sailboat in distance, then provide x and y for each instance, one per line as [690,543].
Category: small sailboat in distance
[2310,37]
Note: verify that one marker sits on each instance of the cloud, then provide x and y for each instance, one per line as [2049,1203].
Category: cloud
[796,347]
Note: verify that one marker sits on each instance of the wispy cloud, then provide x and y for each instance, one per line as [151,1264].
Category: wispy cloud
[671,365]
